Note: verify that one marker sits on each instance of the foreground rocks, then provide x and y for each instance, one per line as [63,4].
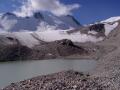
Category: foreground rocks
[67,80]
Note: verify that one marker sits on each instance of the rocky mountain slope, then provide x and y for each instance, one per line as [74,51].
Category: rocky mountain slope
[39,44]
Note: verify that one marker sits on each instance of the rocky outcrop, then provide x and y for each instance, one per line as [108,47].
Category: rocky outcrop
[98,28]
[66,47]
[59,48]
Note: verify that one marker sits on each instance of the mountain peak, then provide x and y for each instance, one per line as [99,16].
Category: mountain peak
[74,19]
[16,23]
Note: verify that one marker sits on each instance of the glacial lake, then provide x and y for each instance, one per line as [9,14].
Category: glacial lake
[11,72]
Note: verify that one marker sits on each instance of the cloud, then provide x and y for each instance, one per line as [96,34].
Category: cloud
[54,6]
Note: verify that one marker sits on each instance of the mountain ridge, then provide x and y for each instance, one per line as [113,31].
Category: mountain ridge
[33,22]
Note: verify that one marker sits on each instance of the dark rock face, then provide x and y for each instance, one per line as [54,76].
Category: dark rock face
[65,42]
[14,52]
[98,28]
[66,47]
[38,15]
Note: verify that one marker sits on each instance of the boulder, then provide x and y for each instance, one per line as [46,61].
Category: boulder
[98,28]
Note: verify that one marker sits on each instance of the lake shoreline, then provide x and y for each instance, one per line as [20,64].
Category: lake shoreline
[65,80]
[22,70]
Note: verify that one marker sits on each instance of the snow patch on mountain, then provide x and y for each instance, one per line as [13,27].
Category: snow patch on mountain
[112,19]
[49,36]
[43,26]
[26,38]
[110,27]
[92,32]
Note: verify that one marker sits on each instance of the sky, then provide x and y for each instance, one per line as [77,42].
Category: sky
[85,11]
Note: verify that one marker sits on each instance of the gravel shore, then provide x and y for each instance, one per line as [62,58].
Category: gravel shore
[66,80]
